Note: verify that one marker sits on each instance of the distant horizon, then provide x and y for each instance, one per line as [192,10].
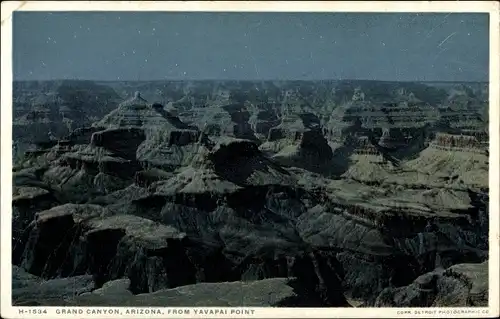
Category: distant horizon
[252,80]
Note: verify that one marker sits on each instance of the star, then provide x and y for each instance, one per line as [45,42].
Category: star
[154,29]
[184,73]
[139,31]
[146,60]
[176,64]
[224,70]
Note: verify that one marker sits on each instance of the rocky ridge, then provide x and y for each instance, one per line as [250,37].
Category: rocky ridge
[320,220]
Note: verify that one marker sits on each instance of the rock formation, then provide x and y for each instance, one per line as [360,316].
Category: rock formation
[277,194]
[462,285]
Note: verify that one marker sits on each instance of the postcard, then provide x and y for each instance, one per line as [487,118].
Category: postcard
[258,159]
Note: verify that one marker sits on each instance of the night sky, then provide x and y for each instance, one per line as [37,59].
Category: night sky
[159,45]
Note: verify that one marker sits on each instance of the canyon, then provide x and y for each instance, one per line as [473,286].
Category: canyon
[271,193]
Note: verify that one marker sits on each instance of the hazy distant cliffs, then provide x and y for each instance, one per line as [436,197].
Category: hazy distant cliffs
[319,193]
[46,110]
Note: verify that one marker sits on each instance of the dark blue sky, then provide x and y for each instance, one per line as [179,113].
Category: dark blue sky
[159,45]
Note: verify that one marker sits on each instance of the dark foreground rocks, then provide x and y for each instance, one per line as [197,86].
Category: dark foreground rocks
[29,290]
[462,285]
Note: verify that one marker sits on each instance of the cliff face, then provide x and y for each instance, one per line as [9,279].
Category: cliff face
[460,159]
[225,119]
[467,143]
[298,141]
[264,117]
[309,150]
[123,142]
[387,120]
[393,138]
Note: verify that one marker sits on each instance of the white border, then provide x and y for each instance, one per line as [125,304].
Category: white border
[7,311]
